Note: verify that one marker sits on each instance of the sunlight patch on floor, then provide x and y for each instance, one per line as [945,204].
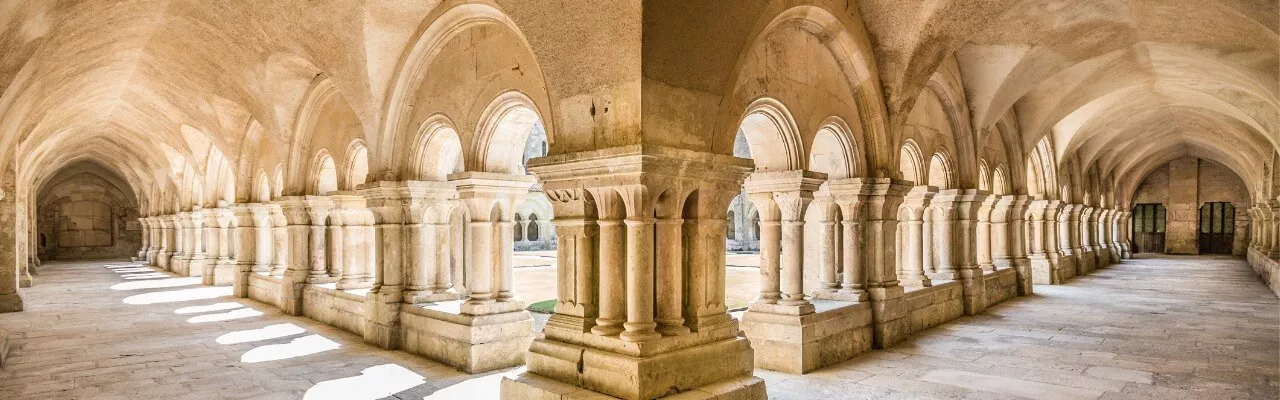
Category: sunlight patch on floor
[264,333]
[145,275]
[226,316]
[173,296]
[306,345]
[156,283]
[373,383]
[484,387]
[209,308]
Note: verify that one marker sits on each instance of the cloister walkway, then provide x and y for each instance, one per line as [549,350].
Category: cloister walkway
[1161,327]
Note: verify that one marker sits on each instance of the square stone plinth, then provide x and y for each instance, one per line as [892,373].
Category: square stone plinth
[835,332]
[219,274]
[524,385]
[472,343]
[674,368]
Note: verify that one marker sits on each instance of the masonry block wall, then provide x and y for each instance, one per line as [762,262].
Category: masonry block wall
[1183,185]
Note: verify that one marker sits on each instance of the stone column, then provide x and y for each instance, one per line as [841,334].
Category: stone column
[827,245]
[491,199]
[850,196]
[669,261]
[1125,235]
[957,245]
[177,241]
[576,251]
[196,258]
[620,366]
[280,240]
[911,238]
[295,213]
[1042,242]
[318,210]
[160,238]
[612,280]
[1068,265]
[985,234]
[1083,237]
[781,198]
[1274,223]
[221,268]
[244,245]
[356,242]
[1016,231]
[1108,236]
[146,239]
[888,307]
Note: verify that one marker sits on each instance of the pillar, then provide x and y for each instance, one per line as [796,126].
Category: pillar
[986,234]
[1068,262]
[146,239]
[1084,237]
[356,241]
[177,241]
[708,358]
[488,328]
[298,214]
[221,269]
[1042,243]
[1011,212]
[1274,224]
[1124,233]
[244,252]
[11,257]
[910,238]
[850,196]
[956,212]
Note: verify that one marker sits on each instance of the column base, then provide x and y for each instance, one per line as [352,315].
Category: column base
[835,332]
[655,369]
[221,273]
[24,279]
[469,342]
[240,285]
[11,302]
[151,257]
[1066,267]
[974,286]
[1023,267]
[888,314]
[526,385]
[1087,262]
[840,295]
[1043,270]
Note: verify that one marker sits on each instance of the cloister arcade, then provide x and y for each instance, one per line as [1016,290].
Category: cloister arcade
[375,166]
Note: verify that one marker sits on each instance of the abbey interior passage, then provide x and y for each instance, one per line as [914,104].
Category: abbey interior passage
[640,199]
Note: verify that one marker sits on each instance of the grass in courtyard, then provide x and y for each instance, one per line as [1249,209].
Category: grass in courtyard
[545,307]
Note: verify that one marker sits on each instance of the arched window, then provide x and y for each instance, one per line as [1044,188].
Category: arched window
[326,176]
[940,171]
[730,227]
[519,228]
[910,162]
[755,226]
[358,165]
[533,232]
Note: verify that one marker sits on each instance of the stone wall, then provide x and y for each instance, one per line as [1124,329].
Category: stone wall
[1183,185]
[84,215]
[934,305]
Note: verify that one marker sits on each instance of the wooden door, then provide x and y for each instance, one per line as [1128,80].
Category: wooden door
[1217,228]
[1148,228]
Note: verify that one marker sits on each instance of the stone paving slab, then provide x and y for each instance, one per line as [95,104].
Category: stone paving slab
[1157,328]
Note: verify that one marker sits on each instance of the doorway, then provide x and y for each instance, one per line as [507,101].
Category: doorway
[1148,228]
[1217,228]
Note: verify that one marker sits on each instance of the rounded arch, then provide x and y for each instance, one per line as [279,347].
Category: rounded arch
[261,187]
[437,150]
[534,231]
[504,128]
[850,45]
[772,136]
[324,174]
[357,165]
[834,151]
[984,176]
[941,170]
[1000,180]
[911,162]
[432,37]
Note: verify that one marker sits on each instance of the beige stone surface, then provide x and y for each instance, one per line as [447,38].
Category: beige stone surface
[1151,328]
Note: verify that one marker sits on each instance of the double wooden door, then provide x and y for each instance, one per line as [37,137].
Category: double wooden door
[1217,228]
[1148,228]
